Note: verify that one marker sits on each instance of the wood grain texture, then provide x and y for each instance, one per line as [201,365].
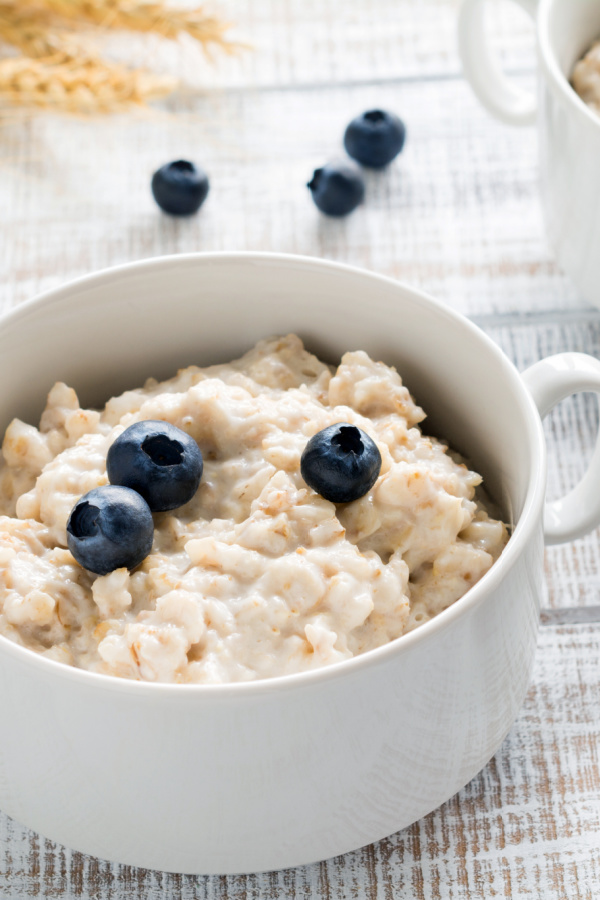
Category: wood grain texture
[299,43]
[458,215]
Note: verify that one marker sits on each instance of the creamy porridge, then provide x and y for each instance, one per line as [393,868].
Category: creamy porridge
[586,77]
[257,575]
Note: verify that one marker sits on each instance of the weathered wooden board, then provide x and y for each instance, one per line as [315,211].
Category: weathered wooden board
[308,42]
[457,214]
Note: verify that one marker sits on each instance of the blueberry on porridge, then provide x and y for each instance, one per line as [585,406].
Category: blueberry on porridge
[159,461]
[257,574]
[110,527]
[341,463]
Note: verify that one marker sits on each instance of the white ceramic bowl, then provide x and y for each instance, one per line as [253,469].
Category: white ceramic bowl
[263,775]
[568,130]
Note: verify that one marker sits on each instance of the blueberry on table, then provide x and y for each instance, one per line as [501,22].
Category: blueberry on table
[159,461]
[110,527]
[180,188]
[341,463]
[375,138]
[337,188]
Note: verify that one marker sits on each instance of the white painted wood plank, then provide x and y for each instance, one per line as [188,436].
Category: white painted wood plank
[308,42]
[457,214]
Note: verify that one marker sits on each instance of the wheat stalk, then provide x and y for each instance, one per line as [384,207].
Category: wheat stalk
[60,69]
[140,15]
[88,86]
[34,36]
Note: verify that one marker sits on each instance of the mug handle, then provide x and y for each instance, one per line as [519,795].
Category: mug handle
[482,67]
[550,381]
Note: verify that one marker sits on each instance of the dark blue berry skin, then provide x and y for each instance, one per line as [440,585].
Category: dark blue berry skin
[180,188]
[159,461]
[341,463]
[110,527]
[337,188]
[375,138]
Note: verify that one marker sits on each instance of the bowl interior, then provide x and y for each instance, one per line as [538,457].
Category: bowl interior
[111,331]
[572,28]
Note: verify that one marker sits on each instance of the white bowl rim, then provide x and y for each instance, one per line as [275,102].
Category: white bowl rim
[556,77]
[528,521]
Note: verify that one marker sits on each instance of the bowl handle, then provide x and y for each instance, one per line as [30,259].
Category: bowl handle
[549,382]
[482,67]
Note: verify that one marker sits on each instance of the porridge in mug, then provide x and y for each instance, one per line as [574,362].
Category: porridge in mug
[258,574]
[586,77]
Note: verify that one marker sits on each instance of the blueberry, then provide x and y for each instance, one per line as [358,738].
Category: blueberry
[375,138]
[159,461]
[110,527]
[337,188]
[180,188]
[341,463]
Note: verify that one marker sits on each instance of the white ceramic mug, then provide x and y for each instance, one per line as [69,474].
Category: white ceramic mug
[569,132]
[268,774]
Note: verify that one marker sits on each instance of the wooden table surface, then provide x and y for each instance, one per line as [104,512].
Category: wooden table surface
[457,214]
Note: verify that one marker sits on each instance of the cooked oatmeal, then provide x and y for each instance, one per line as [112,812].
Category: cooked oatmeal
[586,77]
[257,576]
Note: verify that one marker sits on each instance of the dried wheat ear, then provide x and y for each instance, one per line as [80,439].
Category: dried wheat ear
[61,68]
